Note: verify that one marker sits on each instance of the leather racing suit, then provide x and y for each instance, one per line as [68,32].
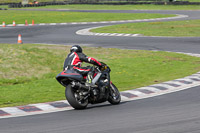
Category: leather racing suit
[75,59]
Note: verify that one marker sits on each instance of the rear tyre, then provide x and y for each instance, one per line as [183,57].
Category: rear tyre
[74,98]
[114,96]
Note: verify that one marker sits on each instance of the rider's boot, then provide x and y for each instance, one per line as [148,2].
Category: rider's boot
[89,80]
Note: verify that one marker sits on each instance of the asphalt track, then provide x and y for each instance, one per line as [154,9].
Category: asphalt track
[177,112]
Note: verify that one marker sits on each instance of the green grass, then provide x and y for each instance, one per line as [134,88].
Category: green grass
[28,71]
[122,7]
[192,0]
[58,17]
[3,6]
[189,28]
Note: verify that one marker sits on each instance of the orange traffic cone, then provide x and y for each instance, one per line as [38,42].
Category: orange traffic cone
[4,24]
[26,22]
[14,23]
[19,39]
[33,22]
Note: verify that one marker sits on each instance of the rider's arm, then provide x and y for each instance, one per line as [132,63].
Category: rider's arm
[90,60]
[93,61]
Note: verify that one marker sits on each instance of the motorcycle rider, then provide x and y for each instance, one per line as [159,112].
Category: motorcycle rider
[74,60]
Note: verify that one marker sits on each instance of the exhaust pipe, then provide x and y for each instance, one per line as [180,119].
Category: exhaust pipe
[79,85]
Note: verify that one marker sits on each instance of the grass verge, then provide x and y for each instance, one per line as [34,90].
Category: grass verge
[28,71]
[189,28]
[59,17]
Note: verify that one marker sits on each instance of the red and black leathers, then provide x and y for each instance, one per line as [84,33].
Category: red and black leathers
[75,60]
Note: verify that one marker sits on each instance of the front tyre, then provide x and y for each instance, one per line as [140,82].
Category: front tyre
[75,99]
[114,96]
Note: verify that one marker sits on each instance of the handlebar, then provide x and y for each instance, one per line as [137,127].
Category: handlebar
[104,66]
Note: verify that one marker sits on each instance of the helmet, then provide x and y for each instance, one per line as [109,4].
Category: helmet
[76,48]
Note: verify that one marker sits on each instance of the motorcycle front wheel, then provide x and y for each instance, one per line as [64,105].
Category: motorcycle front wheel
[114,97]
[75,99]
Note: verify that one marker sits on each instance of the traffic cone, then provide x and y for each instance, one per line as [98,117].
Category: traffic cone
[33,22]
[14,23]
[4,24]
[26,22]
[19,39]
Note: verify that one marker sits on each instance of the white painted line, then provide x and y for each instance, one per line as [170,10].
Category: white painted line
[135,92]
[150,89]
[135,34]
[43,106]
[20,25]
[9,25]
[96,34]
[122,21]
[100,34]
[63,9]
[64,101]
[123,98]
[127,34]
[13,110]
[131,20]
[186,79]
[163,85]
[52,24]
[84,23]
[35,113]
[197,75]
[106,34]
[42,24]
[103,22]
[73,23]
[63,23]
[113,34]
[113,21]
[193,76]
[175,82]
[120,34]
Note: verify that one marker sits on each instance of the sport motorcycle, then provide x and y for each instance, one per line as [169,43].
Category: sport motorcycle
[79,94]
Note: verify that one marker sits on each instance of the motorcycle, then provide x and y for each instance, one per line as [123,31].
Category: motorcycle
[79,95]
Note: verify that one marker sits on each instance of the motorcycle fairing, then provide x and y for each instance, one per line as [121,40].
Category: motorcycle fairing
[68,75]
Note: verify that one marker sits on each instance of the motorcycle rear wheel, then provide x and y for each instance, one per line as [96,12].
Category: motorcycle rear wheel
[75,99]
[114,97]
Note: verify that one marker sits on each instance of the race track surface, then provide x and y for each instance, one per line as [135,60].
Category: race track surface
[177,112]
[172,113]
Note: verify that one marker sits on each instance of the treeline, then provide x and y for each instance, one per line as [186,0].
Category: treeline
[17,1]
[89,1]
